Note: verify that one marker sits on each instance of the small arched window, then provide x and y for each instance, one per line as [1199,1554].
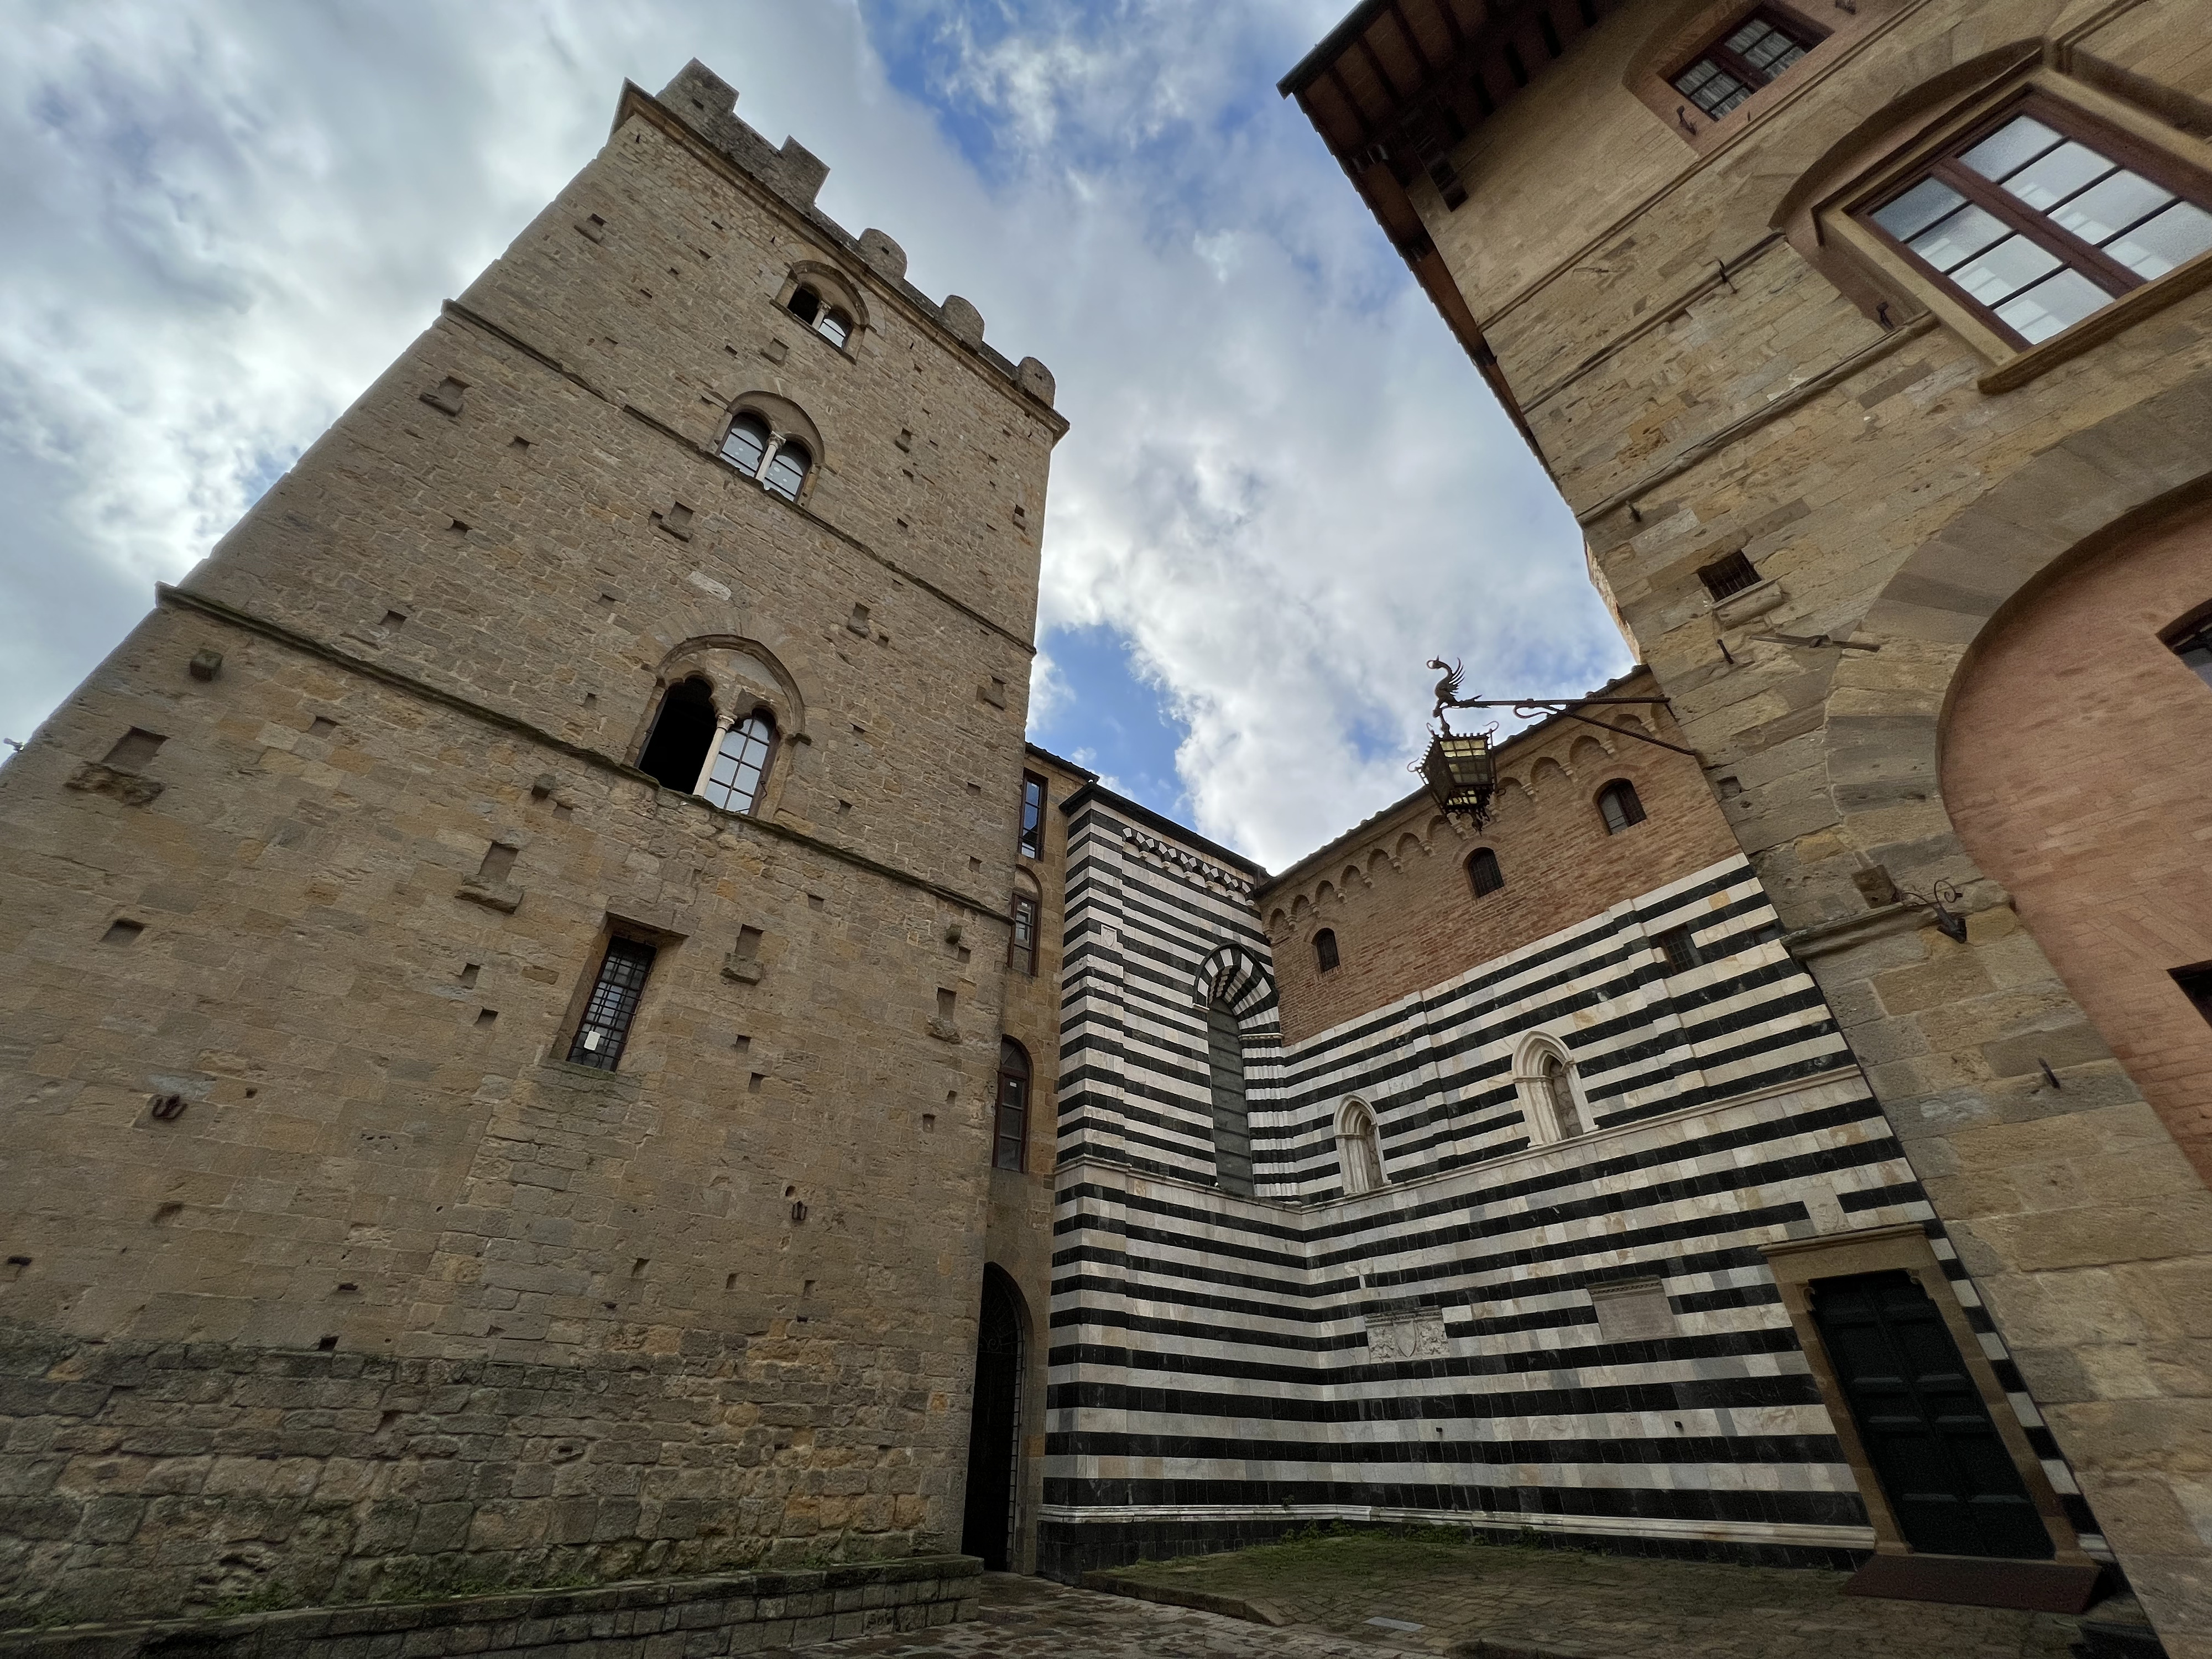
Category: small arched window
[1556,1080]
[1483,873]
[1617,805]
[831,324]
[741,763]
[1010,1145]
[786,469]
[1325,955]
[683,736]
[746,447]
[1358,1150]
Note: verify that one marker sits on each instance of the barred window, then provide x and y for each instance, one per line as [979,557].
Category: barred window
[1731,572]
[1679,949]
[2043,217]
[1753,53]
[1483,873]
[604,1029]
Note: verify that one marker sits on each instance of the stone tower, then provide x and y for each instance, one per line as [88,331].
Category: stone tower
[505,965]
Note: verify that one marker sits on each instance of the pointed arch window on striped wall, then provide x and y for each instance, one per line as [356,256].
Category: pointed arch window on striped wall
[1232,1129]
[1359,1148]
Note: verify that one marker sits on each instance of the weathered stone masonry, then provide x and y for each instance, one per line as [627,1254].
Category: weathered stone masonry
[328,1277]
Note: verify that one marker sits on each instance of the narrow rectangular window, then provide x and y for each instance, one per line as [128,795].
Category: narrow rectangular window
[1731,572]
[1753,52]
[1032,816]
[1022,949]
[2042,217]
[605,1028]
[1680,950]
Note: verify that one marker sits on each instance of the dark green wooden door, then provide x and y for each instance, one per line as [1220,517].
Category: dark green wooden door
[1950,1481]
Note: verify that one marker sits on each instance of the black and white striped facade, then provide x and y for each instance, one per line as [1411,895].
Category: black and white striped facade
[1223,1369]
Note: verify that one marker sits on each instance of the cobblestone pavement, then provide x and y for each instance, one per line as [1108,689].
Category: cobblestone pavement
[1564,1601]
[1367,1598]
[1033,1619]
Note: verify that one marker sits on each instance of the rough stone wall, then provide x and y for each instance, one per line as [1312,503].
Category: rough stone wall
[1700,387]
[385,1294]
[1396,894]
[2075,767]
[1018,1232]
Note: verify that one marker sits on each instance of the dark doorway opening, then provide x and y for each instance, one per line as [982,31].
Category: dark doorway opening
[676,753]
[1947,1473]
[993,1434]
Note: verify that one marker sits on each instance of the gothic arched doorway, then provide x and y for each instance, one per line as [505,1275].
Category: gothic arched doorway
[995,1431]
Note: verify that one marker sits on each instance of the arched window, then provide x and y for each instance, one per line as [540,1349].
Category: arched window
[1325,955]
[1010,1145]
[1551,1103]
[746,447]
[683,735]
[1618,804]
[1483,873]
[1232,1130]
[831,324]
[786,469]
[1558,1081]
[1359,1148]
[741,763]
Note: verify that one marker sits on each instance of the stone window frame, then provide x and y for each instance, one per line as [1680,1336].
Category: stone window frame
[1024,1079]
[1678,43]
[787,423]
[743,677]
[1028,897]
[836,290]
[1359,1149]
[658,975]
[1535,1089]
[1822,215]
[1795,1265]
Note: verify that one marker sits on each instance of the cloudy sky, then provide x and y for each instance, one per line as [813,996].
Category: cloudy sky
[1286,487]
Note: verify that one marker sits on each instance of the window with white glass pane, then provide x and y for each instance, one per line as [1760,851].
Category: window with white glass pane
[2045,219]
[1753,52]
[734,780]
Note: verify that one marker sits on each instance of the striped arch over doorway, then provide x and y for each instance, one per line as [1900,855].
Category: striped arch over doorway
[1233,976]
[1237,994]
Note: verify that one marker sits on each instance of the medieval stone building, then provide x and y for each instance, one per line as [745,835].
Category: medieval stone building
[556,1031]
[514,968]
[1870,342]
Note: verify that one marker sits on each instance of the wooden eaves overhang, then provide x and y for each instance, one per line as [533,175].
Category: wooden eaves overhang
[1398,84]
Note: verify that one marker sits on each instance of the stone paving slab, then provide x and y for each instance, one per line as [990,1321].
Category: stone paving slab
[1472,1599]
[1035,1619]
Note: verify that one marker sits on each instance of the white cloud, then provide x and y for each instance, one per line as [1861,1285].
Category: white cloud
[1284,483]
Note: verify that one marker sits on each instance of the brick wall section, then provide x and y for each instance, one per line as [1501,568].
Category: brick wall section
[1395,891]
[2074,765]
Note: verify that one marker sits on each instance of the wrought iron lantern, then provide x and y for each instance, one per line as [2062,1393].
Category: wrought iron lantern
[1460,773]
